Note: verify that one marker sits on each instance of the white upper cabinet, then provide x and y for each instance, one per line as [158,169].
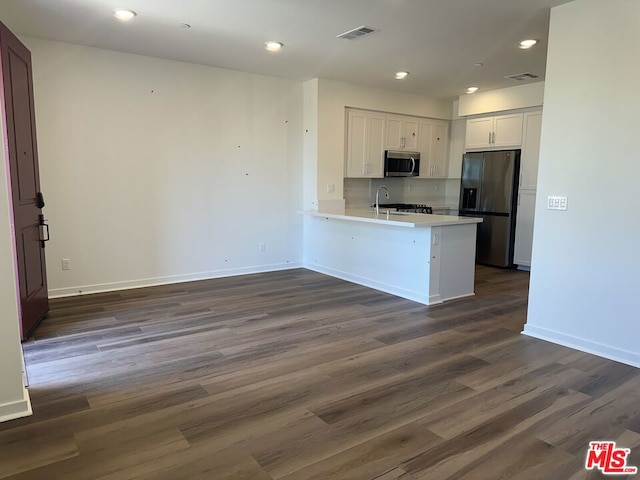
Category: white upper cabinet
[530,150]
[494,132]
[432,145]
[365,144]
[402,133]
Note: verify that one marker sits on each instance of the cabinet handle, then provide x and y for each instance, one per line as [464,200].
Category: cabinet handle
[494,138]
[489,138]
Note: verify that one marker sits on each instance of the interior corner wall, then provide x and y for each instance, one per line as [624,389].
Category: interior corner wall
[157,171]
[14,399]
[584,272]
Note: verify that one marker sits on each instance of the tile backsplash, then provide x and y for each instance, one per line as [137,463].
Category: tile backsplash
[361,192]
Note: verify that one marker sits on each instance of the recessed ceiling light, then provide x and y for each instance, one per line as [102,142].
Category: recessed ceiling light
[124,14]
[273,46]
[472,89]
[401,75]
[524,44]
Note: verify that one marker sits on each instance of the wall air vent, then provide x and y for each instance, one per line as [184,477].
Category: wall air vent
[523,76]
[357,33]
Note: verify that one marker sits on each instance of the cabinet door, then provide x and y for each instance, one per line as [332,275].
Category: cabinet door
[507,130]
[410,135]
[530,149]
[424,147]
[374,155]
[524,227]
[439,134]
[356,144]
[479,133]
[394,133]
[458,134]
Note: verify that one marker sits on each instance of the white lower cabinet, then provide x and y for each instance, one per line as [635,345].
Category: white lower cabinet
[524,227]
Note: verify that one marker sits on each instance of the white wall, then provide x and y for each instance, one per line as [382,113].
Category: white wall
[14,399]
[584,273]
[332,99]
[156,171]
[511,98]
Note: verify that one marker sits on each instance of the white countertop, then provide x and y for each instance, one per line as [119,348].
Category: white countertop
[398,219]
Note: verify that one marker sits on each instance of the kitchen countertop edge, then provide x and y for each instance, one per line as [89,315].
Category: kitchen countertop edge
[416,220]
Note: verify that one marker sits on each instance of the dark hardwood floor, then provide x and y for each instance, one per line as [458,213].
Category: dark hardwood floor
[295,375]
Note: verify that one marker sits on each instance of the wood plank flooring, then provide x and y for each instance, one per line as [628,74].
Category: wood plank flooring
[298,376]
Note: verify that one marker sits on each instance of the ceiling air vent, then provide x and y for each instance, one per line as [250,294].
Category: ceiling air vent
[523,76]
[357,33]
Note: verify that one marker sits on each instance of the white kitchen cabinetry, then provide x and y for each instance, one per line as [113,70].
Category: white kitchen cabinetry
[524,228]
[365,145]
[433,136]
[402,133]
[530,149]
[494,132]
[527,188]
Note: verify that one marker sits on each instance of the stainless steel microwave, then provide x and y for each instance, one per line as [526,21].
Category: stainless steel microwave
[401,164]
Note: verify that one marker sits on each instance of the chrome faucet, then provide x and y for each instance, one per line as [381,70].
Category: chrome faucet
[378,197]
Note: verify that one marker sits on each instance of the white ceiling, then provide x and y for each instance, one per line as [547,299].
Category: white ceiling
[438,41]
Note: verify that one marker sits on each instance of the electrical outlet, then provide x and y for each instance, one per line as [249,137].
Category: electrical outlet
[331,188]
[409,187]
[556,203]
[262,247]
[436,238]
[66,264]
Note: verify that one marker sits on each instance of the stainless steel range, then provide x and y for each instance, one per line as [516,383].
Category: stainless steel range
[407,207]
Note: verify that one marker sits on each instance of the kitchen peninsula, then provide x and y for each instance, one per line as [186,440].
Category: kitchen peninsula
[425,258]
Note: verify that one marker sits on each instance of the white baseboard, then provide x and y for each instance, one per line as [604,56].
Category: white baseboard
[151,282]
[367,282]
[584,345]
[19,409]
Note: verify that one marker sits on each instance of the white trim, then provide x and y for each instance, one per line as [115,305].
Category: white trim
[584,345]
[19,409]
[151,282]
[367,282]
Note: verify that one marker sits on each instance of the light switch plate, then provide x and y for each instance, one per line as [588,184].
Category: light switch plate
[555,202]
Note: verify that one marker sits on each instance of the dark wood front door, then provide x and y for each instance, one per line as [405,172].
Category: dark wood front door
[20,137]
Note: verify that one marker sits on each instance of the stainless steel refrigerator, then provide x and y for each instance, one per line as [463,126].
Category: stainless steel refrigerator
[488,190]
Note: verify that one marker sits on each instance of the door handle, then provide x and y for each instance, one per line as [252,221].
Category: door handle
[45,226]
